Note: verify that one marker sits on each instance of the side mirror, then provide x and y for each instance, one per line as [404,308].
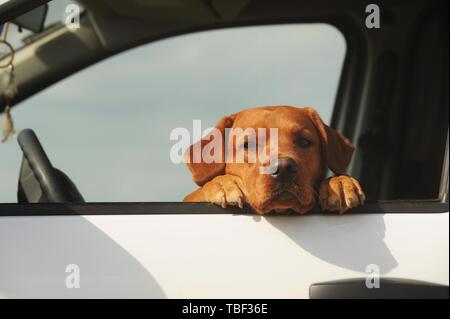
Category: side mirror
[33,20]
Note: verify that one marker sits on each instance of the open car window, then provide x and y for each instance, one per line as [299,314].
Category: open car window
[108,127]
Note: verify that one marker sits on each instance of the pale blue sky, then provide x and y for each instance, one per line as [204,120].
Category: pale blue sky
[108,126]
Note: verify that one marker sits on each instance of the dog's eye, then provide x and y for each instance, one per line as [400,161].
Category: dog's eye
[248,145]
[303,142]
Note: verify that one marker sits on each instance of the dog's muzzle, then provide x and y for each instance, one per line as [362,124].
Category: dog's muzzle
[285,171]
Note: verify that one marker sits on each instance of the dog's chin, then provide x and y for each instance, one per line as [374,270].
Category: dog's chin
[285,201]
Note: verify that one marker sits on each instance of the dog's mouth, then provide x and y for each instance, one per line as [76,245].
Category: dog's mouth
[285,193]
[285,197]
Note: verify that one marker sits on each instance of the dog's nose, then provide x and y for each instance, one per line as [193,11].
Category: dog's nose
[286,170]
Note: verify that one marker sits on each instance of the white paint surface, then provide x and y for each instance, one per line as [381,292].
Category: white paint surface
[214,256]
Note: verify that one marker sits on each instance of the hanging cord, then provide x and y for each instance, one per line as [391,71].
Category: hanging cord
[9,88]
[5,33]
[8,125]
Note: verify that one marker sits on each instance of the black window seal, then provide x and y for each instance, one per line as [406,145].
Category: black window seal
[443,188]
[179,208]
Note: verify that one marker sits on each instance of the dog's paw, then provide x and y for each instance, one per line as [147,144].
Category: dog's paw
[340,193]
[224,190]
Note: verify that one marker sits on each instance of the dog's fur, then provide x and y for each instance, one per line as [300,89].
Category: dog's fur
[303,138]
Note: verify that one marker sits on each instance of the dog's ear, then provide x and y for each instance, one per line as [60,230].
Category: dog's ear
[337,150]
[201,170]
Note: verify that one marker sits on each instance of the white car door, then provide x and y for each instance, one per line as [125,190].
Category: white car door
[214,255]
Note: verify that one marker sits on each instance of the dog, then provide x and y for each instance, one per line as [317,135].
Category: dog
[306,149]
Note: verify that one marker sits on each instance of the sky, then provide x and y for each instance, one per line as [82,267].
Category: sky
[108,126]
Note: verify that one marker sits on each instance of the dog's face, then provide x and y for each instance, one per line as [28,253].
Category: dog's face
[298,167]
[305,148]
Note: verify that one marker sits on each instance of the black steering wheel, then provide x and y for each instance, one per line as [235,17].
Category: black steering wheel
[48,177]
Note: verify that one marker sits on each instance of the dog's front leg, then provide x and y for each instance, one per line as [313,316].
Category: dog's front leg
[223,190]
[340,193]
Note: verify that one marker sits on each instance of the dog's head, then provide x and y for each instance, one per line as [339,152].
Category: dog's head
[306,147]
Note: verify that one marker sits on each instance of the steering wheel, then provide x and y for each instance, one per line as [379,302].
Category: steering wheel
[51,183]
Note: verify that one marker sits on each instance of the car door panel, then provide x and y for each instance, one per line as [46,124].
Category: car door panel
[215,256]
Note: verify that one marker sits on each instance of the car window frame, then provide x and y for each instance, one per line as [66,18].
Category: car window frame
[346,103]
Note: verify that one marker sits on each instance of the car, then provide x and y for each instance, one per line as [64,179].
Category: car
[100,89]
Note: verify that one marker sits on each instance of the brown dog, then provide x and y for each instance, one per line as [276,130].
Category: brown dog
[306,148]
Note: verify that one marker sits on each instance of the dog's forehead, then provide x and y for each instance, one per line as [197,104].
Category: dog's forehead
[281,117]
